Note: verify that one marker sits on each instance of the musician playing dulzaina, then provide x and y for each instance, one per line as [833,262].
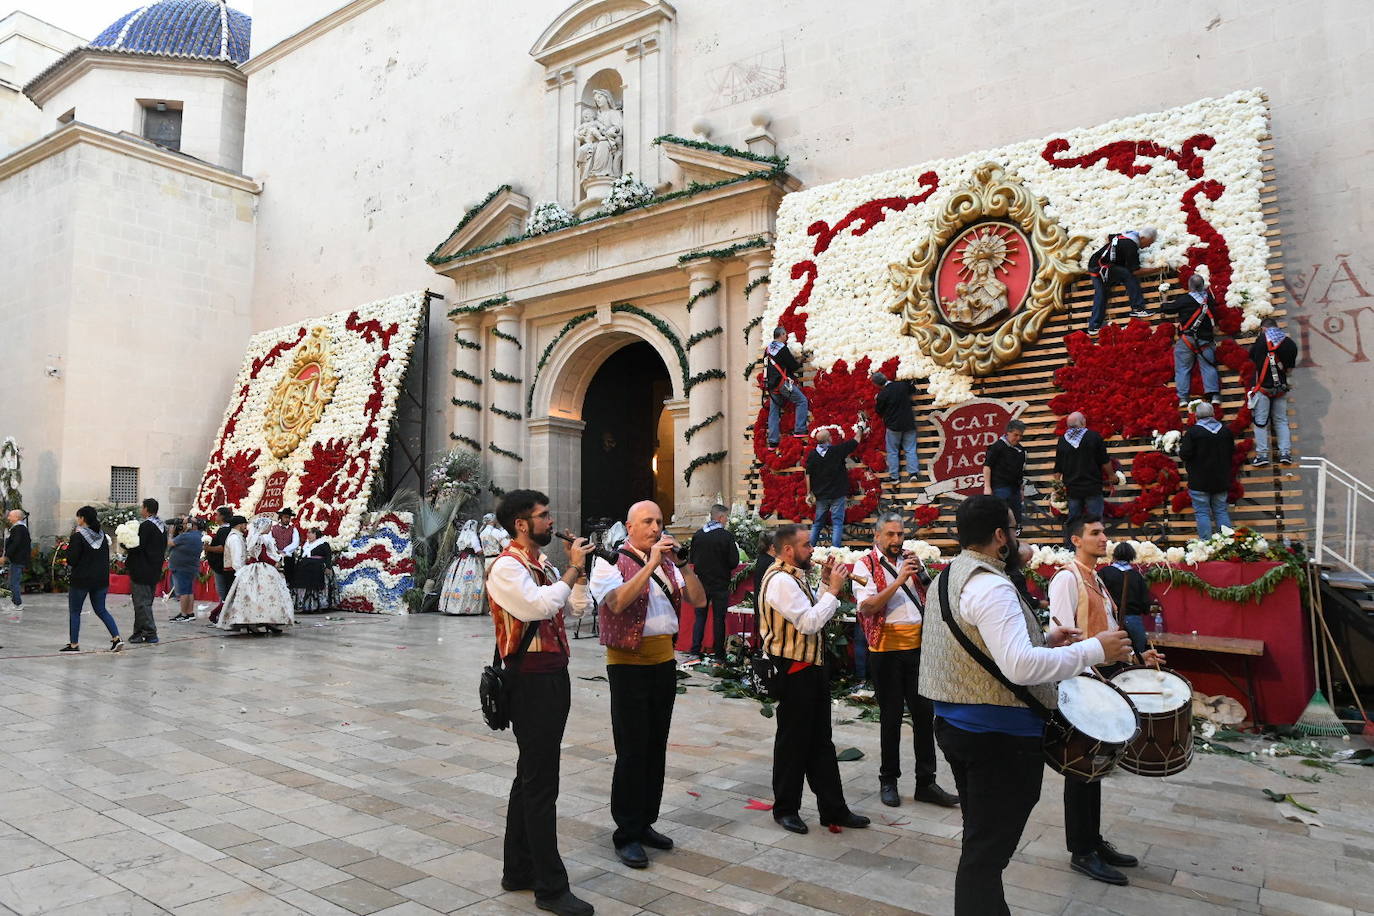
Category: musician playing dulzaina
[890,606]
[791,624]
[990,737]
[1077,594]
[640,597]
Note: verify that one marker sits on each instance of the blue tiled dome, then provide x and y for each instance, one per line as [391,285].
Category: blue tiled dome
[194,28]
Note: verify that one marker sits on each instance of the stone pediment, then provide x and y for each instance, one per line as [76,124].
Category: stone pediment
[501,216]
[589,26]
[705,163]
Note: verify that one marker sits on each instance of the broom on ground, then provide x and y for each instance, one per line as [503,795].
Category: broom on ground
[1319,719]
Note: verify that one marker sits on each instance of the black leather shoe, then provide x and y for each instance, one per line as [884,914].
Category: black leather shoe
[1093,866]
[888,794]
[565,904]
[632,854]
[1112,856]
[655,840]
[933,794]
[516,884]
[792,822]
[850,819]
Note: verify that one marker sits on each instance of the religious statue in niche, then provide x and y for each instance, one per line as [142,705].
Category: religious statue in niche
[980,296]
[600,140]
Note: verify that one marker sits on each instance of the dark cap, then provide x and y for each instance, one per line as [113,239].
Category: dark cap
[238,520]
[286,512]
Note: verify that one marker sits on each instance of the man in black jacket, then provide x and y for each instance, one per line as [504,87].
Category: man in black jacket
[214,553]
[893,404]
[782,375]
[18,548]
[1081,461]
[1116,262]
[715,556]
[1207,448]
[1195,311]
[1004,467]
[144,563]
[827,481]
[1274,354]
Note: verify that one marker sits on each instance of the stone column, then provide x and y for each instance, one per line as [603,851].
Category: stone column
[467,420]
[679,410]
[554,466]
[757,264]
[706,397]
[505,386]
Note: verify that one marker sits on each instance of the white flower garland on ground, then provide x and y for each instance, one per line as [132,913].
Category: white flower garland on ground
[847,308]
[368,351]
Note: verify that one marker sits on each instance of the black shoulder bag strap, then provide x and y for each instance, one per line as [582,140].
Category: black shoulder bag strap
[1021,693]
[513,663]
[920,605]
[661,586]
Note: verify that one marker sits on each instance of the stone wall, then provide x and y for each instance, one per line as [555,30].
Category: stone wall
[27,47]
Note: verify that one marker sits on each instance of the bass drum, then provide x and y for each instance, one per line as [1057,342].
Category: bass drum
[1164,700]
[1087,735]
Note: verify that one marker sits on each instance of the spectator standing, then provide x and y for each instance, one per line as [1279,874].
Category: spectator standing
[1274,354]
[1207,449]
[18,547]
[1081,462]
[1113,263]
[893,404]
[235,556]
[88,559]
[782,377]
[214,552]
[715,556]
[145,570]
[1196,341]
[1131,594]
[183,558]
[1004,467]
[827,480]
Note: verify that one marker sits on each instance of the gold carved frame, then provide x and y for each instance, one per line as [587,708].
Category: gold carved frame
[297,404]
[991,195]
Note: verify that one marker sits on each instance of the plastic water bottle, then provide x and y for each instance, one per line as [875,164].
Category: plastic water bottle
[1158,621]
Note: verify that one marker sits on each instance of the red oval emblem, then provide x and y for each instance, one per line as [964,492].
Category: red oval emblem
[984,275]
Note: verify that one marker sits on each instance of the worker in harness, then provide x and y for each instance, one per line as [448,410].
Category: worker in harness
[1113,263]
[1195,311]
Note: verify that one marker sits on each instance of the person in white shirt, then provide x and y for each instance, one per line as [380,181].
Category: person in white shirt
[890,603]
[640,597]
[1077,596]
[235,555]
[791,624]
[990,736]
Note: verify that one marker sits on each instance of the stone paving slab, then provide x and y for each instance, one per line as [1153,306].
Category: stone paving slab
[343,769]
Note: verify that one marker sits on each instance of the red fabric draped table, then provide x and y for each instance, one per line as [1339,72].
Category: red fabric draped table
[734,623]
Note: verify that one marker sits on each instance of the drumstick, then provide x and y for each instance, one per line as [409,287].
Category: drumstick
[1144,693]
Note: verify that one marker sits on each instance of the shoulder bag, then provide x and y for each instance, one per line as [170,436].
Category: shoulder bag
[495,685]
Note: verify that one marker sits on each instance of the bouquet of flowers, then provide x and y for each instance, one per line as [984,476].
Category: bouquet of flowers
[126,535]
[1166,442]
[626,191]
[746,526]
[456,474]
[548,216]
[1059,498]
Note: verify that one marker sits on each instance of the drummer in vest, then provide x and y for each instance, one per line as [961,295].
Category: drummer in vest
[524,589]
[791,621]
[640,597]
[1079,598]
[890,606]
[990,736]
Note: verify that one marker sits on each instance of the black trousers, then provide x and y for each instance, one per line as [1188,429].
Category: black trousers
[894,681]
[716,604]
[642,699]
[802,749]
[538,714]
[1082,815]
[998,780]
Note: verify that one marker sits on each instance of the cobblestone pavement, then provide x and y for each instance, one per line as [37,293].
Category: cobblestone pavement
[344,769]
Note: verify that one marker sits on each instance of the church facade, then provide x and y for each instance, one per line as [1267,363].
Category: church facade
[380,146]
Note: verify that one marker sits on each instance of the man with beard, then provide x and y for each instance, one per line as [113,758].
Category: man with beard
[890,606]
[1079,598]
[640,596]
[791,622]
[525,590]
[991,682]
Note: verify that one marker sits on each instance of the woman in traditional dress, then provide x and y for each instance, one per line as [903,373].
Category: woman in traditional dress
[464,588]
[259,596]
[494,539]
[313,573]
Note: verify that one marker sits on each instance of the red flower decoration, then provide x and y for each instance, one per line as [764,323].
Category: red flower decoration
[1121,155]
[1120,381]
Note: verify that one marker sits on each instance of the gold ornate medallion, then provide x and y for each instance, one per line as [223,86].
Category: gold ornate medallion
[301,396]
[988,277]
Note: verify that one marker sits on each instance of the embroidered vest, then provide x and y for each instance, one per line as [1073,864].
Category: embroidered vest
[1090,613]
[780,638]
[552,636]
[873,623]
[948,673]
[626,629]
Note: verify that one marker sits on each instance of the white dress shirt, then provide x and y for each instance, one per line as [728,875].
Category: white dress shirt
[235,550]
[900,608]
[1064,599]
[661,619]
[785,595]
[992,605]
[512,587]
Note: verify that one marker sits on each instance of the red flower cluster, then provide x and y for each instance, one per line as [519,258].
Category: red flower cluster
[1121,155]
[1120,381]
[926,515]
[1159,479]
[1213,251]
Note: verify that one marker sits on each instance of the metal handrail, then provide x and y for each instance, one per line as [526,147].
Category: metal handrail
[1331,476]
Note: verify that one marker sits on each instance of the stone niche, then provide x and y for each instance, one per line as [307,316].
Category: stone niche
[607,69]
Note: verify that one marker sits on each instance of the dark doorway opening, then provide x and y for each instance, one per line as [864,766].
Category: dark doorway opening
[627,444]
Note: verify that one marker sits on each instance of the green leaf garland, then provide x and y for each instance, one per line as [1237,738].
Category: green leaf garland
[498,450]
[700,377]
[701,461]
[703,335]
[467,218]
[466,344]
[662,327]
[460,402]
[752,323]
[693,430]
[754,284]
[466,440]
[496,332]
[548,351]
[502,412]
[466,376]
[779,162]
[726,252]
[702,294]
[500,376]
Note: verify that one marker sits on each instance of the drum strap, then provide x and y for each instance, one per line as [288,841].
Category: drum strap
[978,655]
